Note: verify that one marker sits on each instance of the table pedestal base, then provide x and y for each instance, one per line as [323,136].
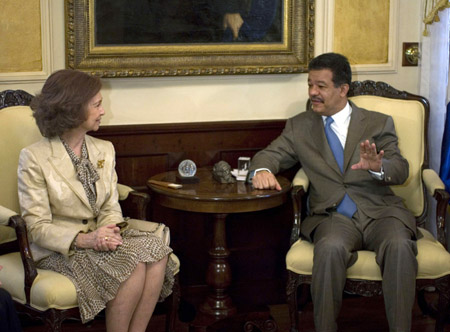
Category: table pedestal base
[219,306]
[218,275]
[254,321]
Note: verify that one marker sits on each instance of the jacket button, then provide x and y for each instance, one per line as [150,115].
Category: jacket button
[85,221]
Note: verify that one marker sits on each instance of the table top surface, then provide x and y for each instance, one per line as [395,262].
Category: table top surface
[208,195]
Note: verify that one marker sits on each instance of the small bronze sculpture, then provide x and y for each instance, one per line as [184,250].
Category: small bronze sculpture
[222,172]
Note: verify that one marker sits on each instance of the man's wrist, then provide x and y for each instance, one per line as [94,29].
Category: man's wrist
[378,175]
[251,174]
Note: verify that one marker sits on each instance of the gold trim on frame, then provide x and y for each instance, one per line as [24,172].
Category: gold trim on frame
[292,55]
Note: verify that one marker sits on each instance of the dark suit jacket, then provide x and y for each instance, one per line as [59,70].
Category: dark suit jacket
[303,140]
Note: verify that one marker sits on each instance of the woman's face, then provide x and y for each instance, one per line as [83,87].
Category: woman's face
[94,113]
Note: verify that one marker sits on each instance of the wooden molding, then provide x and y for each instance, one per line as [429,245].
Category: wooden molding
[145,150]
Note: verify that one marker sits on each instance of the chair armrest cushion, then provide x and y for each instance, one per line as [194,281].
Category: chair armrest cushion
[124,191]
[432,181]
[5,214]
[300,179]
[7,234]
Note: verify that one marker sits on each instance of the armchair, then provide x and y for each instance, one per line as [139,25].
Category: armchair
[42,294]
[410,114]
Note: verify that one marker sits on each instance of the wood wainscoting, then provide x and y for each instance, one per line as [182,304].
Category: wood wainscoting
[258,241]
[145,150]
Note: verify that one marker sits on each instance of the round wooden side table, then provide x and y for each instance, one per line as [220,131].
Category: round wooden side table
[210,196]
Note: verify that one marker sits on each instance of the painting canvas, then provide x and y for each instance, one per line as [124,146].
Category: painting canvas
[120,38]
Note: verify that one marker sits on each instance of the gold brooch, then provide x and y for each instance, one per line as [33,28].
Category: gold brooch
[100,163]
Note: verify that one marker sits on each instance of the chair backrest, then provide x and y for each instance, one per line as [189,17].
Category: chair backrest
[17,130]
[410,114]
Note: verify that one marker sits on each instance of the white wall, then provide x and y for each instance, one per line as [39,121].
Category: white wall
[247,97]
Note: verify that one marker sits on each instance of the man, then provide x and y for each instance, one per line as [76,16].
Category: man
[351,157]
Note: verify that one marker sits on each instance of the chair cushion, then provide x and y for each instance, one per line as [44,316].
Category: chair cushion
[49,290]
[433,260]
[176,260]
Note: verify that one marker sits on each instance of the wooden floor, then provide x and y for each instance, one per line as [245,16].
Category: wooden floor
[357,315]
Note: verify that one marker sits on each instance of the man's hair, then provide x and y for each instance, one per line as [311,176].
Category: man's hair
[62,103]
[337,63]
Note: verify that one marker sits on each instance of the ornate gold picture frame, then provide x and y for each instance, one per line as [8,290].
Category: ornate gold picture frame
[108,39]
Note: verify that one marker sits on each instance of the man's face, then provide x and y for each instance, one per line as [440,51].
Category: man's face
[326,99]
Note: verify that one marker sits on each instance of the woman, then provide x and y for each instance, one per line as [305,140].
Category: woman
[69,200]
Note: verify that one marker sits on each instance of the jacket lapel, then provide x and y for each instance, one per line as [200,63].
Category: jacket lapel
[64,167]
[355,133]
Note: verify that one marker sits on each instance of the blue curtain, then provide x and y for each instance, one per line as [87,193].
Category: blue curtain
[445,156]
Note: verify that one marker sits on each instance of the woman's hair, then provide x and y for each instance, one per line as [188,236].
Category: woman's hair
[62,103]
[337,63]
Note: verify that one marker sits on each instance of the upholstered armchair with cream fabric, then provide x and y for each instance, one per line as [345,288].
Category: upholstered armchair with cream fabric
[42,294]
[410,114]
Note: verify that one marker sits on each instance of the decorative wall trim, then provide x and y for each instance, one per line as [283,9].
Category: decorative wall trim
[392,65]
[47,51]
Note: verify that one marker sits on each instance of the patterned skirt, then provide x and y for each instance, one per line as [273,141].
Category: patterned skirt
[97,275]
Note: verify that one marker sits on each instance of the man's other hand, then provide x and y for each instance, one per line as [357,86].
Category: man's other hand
[265,180]
[370,159]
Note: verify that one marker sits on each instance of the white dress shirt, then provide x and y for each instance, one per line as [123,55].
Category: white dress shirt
[341,121]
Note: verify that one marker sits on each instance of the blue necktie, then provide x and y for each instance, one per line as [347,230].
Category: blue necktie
[346,207]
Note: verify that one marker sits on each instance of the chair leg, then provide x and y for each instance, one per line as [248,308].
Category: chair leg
[443,287]
[422,302]
[53,321]
[173,305]
[291,291]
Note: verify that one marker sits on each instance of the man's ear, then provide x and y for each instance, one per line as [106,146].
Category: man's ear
[344,89]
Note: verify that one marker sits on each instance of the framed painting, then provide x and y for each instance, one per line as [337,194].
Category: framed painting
[142,38]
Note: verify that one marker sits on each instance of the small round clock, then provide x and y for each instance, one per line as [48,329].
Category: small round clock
[187,168]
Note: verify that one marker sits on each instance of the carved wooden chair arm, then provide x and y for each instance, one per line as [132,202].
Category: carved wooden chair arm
[298,194]
[29,266]
[442,197]
[135,205]
[300,185]
[436,188]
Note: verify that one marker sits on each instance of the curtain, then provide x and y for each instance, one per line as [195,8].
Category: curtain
[434,85]
[431,13]
[445,156]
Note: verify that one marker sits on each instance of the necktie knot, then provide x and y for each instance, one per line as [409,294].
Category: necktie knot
[328,121]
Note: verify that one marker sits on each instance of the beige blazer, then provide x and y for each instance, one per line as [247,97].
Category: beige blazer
[52,199]
[303,140]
